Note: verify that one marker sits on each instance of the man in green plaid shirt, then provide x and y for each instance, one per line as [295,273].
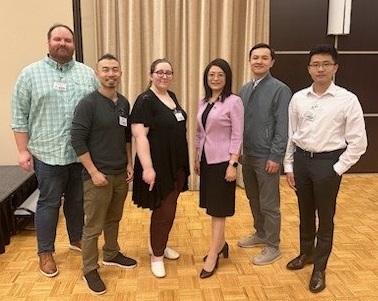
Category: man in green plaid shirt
[44,98]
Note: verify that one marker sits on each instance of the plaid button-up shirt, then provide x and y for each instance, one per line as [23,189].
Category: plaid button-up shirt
[44,98]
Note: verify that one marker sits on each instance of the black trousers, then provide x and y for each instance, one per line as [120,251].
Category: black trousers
[317,188]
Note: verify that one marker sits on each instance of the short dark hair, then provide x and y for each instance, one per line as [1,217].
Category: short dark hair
[262,45]
[56,26]
[324,49]
[107,56]
[227,90]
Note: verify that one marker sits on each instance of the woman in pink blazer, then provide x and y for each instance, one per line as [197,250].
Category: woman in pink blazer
[219,135]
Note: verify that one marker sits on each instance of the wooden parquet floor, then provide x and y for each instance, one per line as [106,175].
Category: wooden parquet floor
[352,272]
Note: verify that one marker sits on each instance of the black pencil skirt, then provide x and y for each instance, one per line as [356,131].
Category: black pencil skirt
[216,194]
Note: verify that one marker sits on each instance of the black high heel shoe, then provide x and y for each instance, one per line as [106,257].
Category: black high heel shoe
[224,251]
[206,274]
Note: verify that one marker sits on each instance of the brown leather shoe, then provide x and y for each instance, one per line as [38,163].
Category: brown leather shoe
[47,264]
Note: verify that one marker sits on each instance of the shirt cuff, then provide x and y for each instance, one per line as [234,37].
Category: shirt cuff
[288,168]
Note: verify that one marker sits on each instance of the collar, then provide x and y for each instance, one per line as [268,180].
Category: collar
[58,66]
[331,90]
[257,81]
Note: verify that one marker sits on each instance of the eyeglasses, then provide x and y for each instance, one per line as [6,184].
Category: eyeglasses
[161,73]
[323,65]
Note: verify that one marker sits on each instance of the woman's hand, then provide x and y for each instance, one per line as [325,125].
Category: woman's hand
[197,168]
[149,176]
[230,173]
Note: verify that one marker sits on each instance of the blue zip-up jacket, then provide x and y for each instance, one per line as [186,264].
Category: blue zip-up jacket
[266,118]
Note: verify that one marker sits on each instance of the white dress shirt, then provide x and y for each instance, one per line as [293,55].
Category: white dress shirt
[326,123]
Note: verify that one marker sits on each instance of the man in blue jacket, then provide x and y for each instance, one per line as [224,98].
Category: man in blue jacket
[266,102]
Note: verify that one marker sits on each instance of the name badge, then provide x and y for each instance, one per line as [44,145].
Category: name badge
[310,116]
[122,121]
[60,86]
[179,116]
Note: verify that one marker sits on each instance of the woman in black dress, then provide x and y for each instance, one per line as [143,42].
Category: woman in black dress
[158,124]
[218,142]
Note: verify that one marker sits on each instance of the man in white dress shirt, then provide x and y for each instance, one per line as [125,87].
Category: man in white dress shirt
[326,137]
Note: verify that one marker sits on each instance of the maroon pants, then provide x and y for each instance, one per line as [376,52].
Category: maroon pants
[162,218]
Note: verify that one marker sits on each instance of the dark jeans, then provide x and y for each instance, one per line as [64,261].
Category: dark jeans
[317,188]
[55,181]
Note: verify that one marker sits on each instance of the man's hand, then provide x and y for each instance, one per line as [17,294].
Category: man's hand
[272,167]
[99,179]
[25,159]
[130,173]
[290,180]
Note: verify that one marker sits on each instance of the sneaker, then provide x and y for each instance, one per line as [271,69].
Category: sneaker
[251,242]
[76,246]
[122,261]
[158,269]
[267,256]
[95,284]
[168,253]
[47,264]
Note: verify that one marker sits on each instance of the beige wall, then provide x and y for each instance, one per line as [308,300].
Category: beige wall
[24,25]
[23,33]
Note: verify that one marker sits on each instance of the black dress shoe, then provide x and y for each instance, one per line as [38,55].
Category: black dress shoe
[299,262]
[206,274]
[224,251]
[317,282]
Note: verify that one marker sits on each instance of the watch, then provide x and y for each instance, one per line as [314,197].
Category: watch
[233,163]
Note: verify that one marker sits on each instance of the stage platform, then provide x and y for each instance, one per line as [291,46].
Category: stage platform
[15,186]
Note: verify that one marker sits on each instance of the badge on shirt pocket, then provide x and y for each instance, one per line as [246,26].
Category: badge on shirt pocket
[122,121]
[60,86]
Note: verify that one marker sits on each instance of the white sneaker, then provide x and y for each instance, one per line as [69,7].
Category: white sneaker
[168,253]
[158,269]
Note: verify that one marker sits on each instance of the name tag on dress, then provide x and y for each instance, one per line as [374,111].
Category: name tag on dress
[60,86]
[122,121]
[179,116]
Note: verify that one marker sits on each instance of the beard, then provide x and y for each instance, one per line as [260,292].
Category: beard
[61,54]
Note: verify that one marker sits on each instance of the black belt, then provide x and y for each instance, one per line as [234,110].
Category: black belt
[322,155]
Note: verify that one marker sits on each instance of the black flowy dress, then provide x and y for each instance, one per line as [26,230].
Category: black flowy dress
[168,147]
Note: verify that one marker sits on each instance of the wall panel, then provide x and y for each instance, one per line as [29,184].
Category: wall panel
[296,25]
[358,73]
[364,27]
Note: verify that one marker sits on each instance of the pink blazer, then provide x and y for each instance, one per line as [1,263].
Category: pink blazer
[223,134]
